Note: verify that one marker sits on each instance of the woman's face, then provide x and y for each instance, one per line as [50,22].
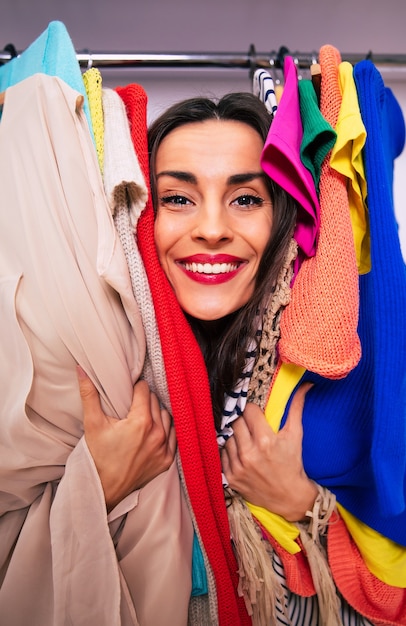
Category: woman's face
[214,215]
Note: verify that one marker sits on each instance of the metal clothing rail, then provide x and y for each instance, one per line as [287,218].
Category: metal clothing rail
[249,60]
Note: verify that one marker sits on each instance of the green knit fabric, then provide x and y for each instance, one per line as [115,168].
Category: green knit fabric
[318,135]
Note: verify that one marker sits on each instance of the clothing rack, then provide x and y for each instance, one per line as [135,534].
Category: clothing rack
[250,60]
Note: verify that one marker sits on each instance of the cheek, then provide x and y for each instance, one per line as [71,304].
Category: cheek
[157,238]
[258,235]
[169,231]
[162,237]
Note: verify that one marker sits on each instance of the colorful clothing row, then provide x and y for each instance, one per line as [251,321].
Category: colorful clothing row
[60,503]
[354,402]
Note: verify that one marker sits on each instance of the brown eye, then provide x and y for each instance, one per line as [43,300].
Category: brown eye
[175,199]
[248,200]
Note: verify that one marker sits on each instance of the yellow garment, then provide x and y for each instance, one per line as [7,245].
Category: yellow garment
[383,557]
[346,158]
[92,80]
[278,92]
[286,379]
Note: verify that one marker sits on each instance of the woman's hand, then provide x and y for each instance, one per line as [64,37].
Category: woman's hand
[128,453]
[265,467]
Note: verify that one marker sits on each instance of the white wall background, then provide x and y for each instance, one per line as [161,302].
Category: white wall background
[353,26]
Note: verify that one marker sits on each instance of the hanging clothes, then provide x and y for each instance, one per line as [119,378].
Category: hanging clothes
[347,158]
[67,298]
[325,293]
[51,53]
[76,290]
[318,135]
[281,161]
[93,83]
[383,291]
[263,87]
[361,406]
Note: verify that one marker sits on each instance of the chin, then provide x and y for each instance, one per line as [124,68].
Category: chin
[207,315]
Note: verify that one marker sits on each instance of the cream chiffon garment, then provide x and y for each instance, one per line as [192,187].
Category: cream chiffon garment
[66,298]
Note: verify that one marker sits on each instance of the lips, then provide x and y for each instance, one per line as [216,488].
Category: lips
[211,269]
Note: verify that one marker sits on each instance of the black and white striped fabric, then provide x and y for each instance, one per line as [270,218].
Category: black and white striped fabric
[235,401]
[300,611]
[263,87]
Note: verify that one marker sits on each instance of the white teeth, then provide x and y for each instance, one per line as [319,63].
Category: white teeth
[211,268]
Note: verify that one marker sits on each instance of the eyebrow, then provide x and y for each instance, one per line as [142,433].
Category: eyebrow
[235,179]
[185,177]
[245,177]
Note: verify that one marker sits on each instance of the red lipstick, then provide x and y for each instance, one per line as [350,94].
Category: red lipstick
[211,269]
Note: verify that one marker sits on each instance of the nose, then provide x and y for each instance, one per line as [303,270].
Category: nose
[213,225]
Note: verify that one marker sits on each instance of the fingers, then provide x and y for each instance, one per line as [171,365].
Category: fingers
[146,403]
[226,462]
[141,397]
[295,414]
[241,426]
[145,413]
[171,441]
[92,411]
[230,454]
[166,421]
[253,426]
[167,424]
[253,417]
[246,429]
[230,448]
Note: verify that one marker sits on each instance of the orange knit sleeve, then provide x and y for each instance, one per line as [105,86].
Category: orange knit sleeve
[379,602]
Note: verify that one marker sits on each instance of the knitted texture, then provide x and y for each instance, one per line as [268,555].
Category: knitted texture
[318,135]
[380,603]
[319,327]
[296,569]
[386,297]
[127,194]
[92,79]
[339,417]
[347,158]
[190,397]
[267,358]
[198,612]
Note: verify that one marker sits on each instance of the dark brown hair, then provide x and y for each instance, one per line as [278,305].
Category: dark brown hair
[224,344]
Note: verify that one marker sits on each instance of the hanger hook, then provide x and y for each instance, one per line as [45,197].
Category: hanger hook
[11,49]
[315,58]
[282,53]
[298,69]
[89,59]
[252,56]
[275,67]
